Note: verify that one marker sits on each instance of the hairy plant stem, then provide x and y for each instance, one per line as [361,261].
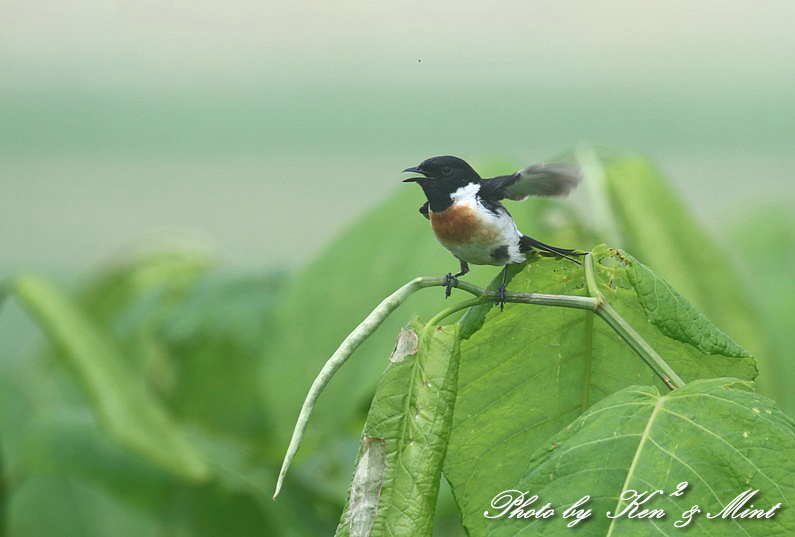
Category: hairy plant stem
[594,303]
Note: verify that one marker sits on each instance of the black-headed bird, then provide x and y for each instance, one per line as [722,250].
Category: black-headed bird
[468,219]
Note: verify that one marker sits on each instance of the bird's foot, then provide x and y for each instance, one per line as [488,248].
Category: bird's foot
[499,297]
[449,282]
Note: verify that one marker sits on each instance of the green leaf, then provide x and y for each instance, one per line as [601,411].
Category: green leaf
[530,371]
[206,347]
[191,333]
[674,316]
[648,219]
[67,443]
[396,481]
[765,248]
[122,405]
[716,435]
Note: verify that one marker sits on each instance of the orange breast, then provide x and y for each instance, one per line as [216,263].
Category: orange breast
[457,224]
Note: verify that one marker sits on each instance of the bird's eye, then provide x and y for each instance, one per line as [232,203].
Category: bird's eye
[447,170]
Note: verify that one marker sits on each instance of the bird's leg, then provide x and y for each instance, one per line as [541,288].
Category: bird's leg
[451,279]
[499,295]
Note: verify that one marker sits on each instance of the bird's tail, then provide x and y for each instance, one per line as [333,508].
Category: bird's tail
[528,243]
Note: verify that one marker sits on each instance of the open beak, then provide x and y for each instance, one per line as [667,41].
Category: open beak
[414,169]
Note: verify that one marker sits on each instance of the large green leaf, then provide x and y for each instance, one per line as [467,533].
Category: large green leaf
[529,371]
[396,481]
[119,398]
[646,217]
[716,435]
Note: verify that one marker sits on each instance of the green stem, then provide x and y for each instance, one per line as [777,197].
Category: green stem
[636,342]
[436,319]
[590,280]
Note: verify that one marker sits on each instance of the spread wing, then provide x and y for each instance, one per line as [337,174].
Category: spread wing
[536,180]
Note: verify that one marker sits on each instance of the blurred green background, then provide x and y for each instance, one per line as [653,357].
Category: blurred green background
[254,133]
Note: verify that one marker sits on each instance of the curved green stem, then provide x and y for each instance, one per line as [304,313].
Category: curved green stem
[590,280]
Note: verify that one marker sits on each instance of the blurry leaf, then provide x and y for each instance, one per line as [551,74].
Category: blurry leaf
[717,435]
[208,511]
[3,492]
[322,304]
[115,288]
[125,409]
[196,341]
[448,517]
[654,224]
[46,507]
[531,370]
[195,335]
[66,443]
[5,289]
[765,241]
[209,349]
[237,466]
[396,481]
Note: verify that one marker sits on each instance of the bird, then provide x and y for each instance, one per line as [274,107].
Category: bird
[470,222]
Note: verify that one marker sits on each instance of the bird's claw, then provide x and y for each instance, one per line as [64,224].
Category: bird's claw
[499,297]
[449,282]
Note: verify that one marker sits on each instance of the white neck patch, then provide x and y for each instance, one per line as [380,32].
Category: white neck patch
[466,192]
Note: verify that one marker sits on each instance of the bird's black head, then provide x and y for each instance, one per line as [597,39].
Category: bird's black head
[441,176]
[445,169]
